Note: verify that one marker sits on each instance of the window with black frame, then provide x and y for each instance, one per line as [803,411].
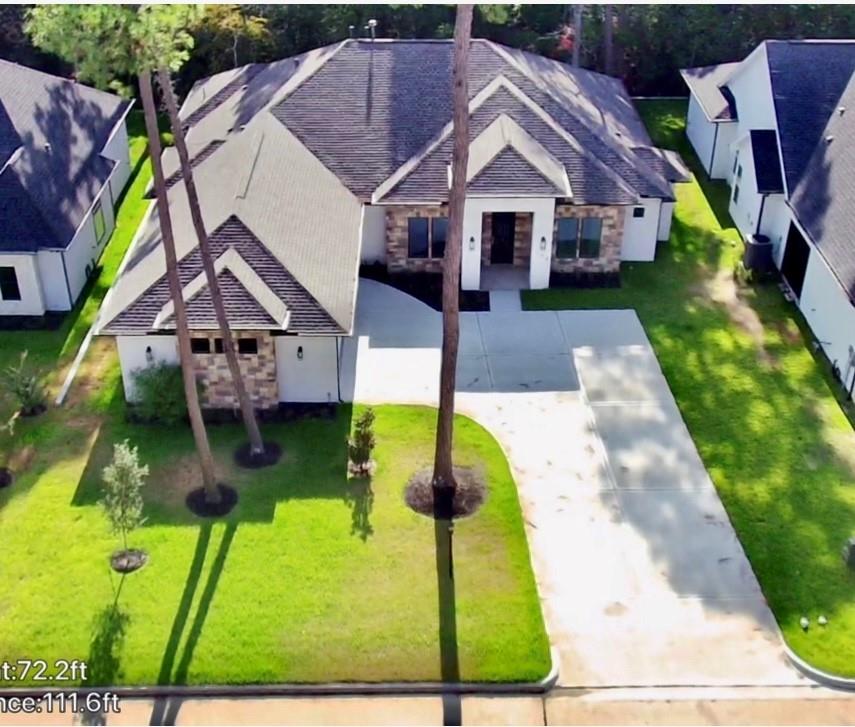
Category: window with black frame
[438,236]
[9,288]
[567,238]
[589,240]
[417,241]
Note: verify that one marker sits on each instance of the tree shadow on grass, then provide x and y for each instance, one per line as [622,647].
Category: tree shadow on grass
[165,709]
[448,652]
[359,496]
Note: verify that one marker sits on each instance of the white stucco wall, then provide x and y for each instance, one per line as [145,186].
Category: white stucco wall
[747,208]
[29,285]
[666,215]
[640,233]
[752,91]
[829,313]
[52,276]
[117,148]
[312,379]
[543,216]
[701,132]
[373,234]
[132,356]
[84,248]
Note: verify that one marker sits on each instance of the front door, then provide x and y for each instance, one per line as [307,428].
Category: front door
[502,249]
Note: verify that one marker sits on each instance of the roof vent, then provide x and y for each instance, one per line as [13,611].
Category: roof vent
[372,28]
[47,147]
[841,110]
[829,139]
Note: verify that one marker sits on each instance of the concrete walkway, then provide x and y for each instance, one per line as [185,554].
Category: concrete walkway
[642,578]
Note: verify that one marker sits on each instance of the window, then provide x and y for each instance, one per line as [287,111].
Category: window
[589,242]
[218,345]
[100,223]
[438,236]
[200,345]
[739,172]
[247,345]
[417,228]
[735,162]
[568,233]
[9,289]
[638,212]
[736,194]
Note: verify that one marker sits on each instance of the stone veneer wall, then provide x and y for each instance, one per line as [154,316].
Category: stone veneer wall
[522,238]
[486,237]
[397,240]
[610,244]
[259,373]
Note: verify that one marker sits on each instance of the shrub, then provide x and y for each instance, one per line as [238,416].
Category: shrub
[26,386]
[123,479]
[361,445]
[160,394]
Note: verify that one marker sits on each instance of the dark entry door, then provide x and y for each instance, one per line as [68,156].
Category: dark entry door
[502,250]
[795,261]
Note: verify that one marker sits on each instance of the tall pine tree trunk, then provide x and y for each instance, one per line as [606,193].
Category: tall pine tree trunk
[200,435]
[577,33]
[443,474]
[247,410]
[608,39]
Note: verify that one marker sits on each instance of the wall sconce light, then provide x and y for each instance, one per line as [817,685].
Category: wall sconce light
[300,352]
[149,356]
[471,243]
[543,243]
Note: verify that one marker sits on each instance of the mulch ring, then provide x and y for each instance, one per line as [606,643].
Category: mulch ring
[200,506]
[469,495]
[244,458]
[6,477]
[34,411]
[127,561]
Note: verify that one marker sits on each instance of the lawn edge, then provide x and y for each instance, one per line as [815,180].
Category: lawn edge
[310,689]
[826,679]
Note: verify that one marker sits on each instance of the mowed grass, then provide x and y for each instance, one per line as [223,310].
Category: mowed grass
[311,579]
[760,407]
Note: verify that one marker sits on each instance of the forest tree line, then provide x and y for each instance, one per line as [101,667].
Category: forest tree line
[646,46]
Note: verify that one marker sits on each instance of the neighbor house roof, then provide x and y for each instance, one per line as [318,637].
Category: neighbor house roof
[292,150]
[767,162]
[52,133]
[709,86]
[807,79]
[824,199]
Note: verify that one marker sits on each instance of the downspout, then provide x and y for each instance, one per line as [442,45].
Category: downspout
[712,156]
[338,367]
[760,216]
[67,283]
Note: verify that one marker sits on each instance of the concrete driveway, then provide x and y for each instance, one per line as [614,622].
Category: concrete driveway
[643,580]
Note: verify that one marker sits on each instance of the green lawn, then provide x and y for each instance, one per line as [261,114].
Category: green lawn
[307,580]
[52,350]
[760,408]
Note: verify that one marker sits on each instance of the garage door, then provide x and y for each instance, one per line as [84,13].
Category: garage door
[795,260]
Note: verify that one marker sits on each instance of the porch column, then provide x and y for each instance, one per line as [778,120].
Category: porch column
[543,221]
[470,258]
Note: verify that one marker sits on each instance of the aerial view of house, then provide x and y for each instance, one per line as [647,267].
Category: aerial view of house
[63,164]
[778,127]
[427,364]
[563,180]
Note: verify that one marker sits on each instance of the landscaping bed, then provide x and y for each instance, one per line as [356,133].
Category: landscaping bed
[426,287]
[759,406]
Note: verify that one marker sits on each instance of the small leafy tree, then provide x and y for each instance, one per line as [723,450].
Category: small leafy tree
[123,479]
[361,445]
[26,385]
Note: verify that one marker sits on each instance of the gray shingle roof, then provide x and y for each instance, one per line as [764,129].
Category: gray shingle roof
[307,315]
[296,210]
[807,80]
[767,163]
[52,133]
[708,84]
[824,200]
[509,173]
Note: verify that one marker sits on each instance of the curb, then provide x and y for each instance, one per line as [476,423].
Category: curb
[311,690]
[821,677]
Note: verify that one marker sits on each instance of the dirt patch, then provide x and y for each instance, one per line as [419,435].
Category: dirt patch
[723,289]
[127,561]
[469,495]
[21,459]
[200,506]
[271,455]
[171,484]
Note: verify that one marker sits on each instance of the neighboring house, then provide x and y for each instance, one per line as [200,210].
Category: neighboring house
[63,163]
[312,166]
[780,128]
